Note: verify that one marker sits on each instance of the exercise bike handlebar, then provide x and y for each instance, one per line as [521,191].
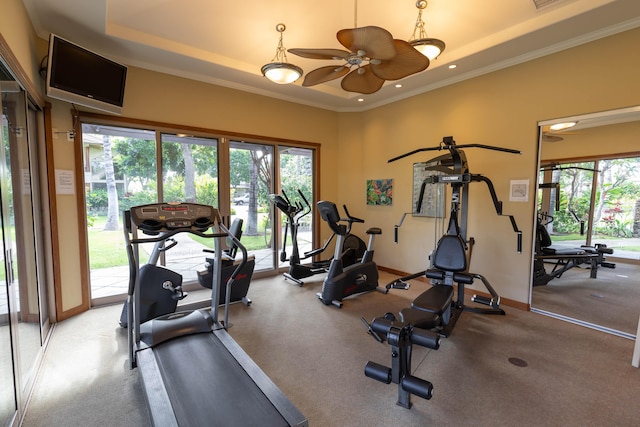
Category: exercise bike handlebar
[350,219]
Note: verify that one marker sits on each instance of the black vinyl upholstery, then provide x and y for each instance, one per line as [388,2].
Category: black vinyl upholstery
[450,254]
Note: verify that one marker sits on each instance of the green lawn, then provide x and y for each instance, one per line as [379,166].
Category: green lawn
[107,248]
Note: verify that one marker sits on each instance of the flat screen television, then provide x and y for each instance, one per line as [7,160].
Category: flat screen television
[79,76]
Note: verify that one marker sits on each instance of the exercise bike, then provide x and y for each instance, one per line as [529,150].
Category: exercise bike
[161,289]
[353,247]
[343,281]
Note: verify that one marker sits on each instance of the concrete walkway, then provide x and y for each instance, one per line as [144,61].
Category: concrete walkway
[186,258]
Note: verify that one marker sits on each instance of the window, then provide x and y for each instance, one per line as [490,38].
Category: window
[584,203]
[127,166]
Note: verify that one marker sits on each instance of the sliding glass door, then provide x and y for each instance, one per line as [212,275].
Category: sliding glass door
[22,325]
[119,172]
[251,182]
[296,182]
[189,174]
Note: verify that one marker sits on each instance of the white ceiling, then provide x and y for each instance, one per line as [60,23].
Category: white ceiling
[226,42]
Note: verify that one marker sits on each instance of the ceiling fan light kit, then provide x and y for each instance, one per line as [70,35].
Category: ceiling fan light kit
[429,47]
[373,57]
[279,70]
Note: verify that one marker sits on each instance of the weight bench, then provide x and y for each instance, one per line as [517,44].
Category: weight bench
[565,259]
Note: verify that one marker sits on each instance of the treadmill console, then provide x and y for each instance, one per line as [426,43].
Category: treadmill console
[171,216]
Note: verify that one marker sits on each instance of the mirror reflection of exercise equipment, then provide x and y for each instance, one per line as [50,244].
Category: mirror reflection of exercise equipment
[434,312]
[562,258]
[599,141]
[188,357]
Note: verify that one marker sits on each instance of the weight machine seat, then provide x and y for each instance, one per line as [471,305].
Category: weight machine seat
[434,300]
[419,318]
[450,261]
[599,248]
[549,250]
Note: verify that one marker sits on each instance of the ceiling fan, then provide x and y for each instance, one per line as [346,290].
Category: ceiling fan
[373,57]
[556,136]
[549,137]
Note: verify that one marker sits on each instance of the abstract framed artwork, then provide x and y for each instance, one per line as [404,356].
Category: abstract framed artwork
[380,192]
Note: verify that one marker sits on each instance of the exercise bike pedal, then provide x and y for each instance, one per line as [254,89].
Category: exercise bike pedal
[398,284]
[401,285]
[179,296]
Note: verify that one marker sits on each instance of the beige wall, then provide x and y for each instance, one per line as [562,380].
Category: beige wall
[501,109]
[622,138]
[18,32]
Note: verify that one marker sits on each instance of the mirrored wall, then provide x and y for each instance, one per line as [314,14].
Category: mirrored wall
[24,320]
[587,246]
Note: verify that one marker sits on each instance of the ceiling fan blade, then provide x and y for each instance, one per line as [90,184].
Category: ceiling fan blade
[324,74]
[551,138]
[375,41]
[320,53]
[408,61]
[362,80]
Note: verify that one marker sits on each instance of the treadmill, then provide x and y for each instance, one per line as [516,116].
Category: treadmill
[193,373]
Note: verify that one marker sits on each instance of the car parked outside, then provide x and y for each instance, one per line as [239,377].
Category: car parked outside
[241,200]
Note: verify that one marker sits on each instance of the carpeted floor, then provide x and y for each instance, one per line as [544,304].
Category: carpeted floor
[610,300]
[316,354]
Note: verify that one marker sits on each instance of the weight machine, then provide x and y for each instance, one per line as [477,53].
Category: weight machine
[435,312]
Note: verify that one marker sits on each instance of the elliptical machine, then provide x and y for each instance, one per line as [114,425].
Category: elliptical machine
[342,281]
[352,248]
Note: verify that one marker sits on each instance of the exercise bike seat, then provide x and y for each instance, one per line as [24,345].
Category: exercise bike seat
[374,230]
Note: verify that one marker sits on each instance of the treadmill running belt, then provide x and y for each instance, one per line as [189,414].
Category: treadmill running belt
[208,387]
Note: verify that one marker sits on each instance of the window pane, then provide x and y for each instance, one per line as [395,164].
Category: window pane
[189,174]
[120,172]
[251,180]
[296,176]
[190,169]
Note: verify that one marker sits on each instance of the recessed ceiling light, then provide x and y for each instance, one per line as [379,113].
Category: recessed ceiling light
[360,99]
[452,66]
[561,126]
[398,85]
